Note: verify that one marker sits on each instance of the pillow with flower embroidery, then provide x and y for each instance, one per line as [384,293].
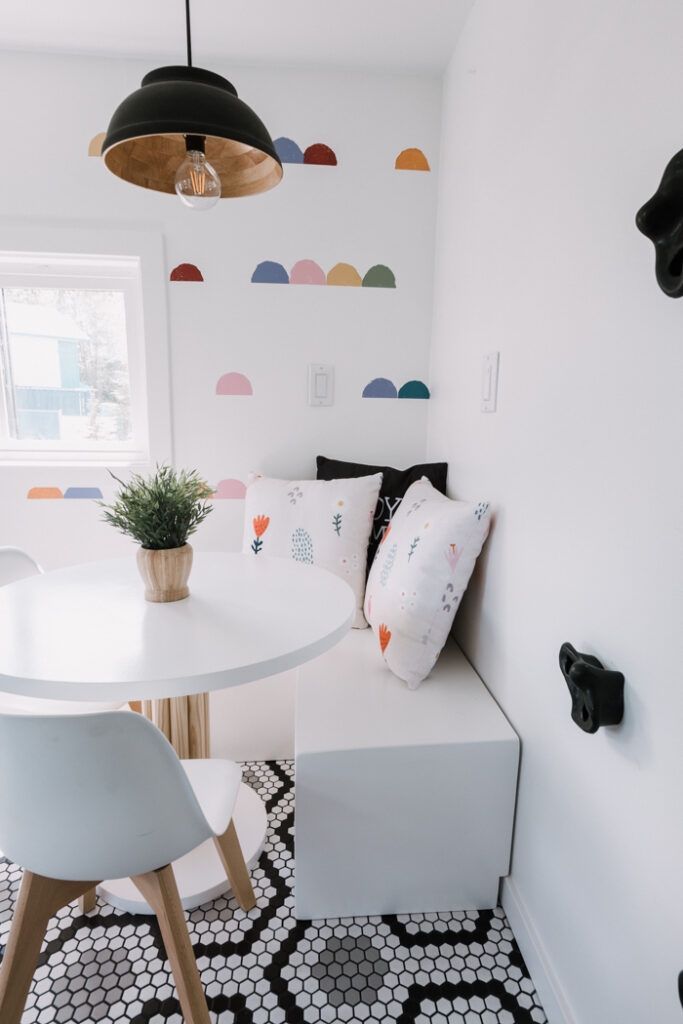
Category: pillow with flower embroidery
[418,577]
[319,522]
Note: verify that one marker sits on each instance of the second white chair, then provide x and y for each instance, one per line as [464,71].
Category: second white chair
[148,808]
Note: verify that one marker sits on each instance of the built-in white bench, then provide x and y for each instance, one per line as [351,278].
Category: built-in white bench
[404,799]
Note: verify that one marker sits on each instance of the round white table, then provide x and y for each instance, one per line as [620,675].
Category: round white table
[86,633]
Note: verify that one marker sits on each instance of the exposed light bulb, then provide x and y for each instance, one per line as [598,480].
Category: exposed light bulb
[196,182]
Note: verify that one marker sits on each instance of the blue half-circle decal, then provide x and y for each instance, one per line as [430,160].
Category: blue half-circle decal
[414,389]
[269,272]
[82,492]
[288,151]
[380,387]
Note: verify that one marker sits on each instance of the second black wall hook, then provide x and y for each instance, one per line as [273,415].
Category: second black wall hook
[597,693]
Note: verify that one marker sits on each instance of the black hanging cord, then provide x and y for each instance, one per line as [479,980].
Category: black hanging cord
[187,30]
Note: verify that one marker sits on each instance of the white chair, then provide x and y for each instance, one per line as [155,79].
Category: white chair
[15,565]
[148,809]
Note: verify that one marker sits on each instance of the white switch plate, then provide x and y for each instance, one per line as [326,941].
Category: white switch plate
[489,382]
[320,384]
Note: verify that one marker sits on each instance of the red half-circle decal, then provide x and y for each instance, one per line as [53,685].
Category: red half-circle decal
[186,272]
[319,153]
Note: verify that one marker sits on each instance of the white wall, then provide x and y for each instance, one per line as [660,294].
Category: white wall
[558,122]
[362,212]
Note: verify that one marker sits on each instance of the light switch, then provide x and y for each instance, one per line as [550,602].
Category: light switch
[320,384]
[489,382]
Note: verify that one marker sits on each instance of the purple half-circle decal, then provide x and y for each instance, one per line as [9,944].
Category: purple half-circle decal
[230,488]
[82,492]
[307,272]
[269,272]
[234,384]
[414,389]
[288,151]
[380,387]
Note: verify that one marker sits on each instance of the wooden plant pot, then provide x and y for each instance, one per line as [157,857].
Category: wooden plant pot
[165,573]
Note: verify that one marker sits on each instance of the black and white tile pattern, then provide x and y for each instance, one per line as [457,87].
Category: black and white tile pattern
[267,968]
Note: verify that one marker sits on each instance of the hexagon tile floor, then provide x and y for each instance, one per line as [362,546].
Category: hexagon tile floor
[267,968]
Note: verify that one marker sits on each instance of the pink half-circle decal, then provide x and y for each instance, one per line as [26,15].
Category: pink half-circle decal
[307,272]
[186,272]
[234,384]
[230,488]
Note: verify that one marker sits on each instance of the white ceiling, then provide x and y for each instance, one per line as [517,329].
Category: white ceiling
[405,35]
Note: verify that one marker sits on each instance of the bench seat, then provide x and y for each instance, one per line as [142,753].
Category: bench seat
[404,799]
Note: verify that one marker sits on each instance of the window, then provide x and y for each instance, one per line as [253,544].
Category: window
[72,358]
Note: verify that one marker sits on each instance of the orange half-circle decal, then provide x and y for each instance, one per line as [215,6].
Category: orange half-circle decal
[186,272]
[45,492]
[344,274]
[95,146]
[412,160]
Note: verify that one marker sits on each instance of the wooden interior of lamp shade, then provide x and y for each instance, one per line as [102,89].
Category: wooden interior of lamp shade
[152,161]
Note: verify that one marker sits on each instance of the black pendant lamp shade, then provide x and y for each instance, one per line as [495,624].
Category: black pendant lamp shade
[145,142]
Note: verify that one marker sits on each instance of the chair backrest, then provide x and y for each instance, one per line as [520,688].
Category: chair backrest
[16,564]
[90,797]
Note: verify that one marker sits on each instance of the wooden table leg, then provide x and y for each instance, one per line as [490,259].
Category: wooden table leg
[184,722]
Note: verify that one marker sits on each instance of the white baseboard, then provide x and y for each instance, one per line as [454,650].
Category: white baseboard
[543,974]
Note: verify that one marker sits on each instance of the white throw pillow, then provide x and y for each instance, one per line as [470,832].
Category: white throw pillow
[419,574]
[319,522]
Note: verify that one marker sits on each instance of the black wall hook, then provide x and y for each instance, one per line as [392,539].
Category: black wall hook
[597,693]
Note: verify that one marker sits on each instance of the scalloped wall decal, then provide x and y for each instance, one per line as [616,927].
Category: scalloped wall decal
[230,488]
[344,274]
[234,384]
[95,144]
[317,153]
[270,272]
[380,387]
[412,160]
[307,272]
[320,154]
[45,492]
[186,272]
[414,389]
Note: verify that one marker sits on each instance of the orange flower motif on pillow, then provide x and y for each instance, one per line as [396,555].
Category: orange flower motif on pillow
[384,637]
[261,525]
[386,534]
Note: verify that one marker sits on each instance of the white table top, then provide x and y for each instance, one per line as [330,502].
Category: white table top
[87,633]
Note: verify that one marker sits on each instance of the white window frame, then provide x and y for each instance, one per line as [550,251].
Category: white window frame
[129,261]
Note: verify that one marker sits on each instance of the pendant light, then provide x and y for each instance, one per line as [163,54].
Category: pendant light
[186,131]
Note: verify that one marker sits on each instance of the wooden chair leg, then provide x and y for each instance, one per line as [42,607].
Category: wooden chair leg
[39,898]
[87,901]
[230,852]
[161,892]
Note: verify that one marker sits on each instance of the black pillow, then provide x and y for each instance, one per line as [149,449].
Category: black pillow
[395,483]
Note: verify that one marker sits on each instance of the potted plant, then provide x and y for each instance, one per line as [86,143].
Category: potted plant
[160,512]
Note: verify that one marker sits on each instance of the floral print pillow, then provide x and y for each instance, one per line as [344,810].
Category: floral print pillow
[315,522]
[418,577]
